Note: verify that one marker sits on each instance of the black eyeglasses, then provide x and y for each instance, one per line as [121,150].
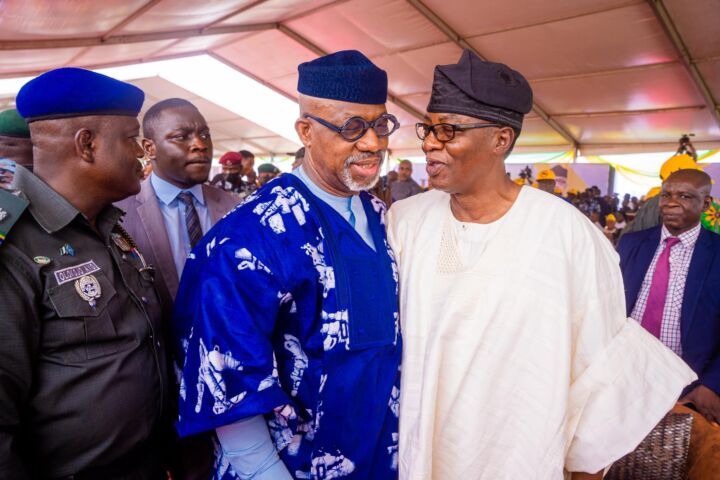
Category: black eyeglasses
[445,132]
[355,127]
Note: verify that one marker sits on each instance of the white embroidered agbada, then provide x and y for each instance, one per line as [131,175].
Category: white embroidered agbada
[520,362]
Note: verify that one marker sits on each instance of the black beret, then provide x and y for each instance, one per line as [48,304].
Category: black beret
[487,90]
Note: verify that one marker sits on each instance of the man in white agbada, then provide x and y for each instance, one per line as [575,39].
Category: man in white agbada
[519,361]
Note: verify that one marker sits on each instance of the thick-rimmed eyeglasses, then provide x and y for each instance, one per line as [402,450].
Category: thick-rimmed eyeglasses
[445,132]
[355,127]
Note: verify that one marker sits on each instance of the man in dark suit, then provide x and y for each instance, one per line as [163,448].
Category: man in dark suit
[672,279]
[173,210]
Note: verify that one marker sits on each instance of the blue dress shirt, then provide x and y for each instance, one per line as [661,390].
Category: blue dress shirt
[350,208]
[173,211]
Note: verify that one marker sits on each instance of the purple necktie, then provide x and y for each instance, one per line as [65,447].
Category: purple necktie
[655,306]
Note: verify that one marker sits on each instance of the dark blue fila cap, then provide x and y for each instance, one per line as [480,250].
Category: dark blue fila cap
[76,92]
[347,75]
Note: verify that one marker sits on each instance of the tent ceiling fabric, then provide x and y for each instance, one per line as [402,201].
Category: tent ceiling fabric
[606,73]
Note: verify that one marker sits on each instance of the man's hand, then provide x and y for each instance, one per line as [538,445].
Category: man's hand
[706,401]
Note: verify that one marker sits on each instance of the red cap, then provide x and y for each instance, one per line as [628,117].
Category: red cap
[231,158]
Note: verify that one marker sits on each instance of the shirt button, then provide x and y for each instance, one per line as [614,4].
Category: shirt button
[144,300]
[124,257]
[158,344]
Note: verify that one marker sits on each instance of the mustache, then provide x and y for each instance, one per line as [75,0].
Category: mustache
[364,156]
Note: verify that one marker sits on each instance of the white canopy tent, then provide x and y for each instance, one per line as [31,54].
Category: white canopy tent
[609,76]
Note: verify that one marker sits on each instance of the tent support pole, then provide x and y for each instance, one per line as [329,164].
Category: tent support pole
[666,20]
[147,6]
[131,38]
[433,17]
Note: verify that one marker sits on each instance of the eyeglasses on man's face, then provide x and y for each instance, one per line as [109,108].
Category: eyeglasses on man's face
[355,127]
[445,132]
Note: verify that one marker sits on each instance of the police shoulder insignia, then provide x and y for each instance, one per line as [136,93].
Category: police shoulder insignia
[11,207]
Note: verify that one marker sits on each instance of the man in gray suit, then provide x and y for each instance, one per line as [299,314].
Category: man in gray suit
[173,210]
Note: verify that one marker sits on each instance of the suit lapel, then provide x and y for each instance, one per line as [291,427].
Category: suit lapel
[213,204]
[645,252]
[154,224]
[699,269]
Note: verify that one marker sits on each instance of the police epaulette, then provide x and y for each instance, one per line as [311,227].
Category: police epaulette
[11,207]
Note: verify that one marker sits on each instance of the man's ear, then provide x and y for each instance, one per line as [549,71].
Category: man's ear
[503,140]
[85,144]
[303,129]
[149,147]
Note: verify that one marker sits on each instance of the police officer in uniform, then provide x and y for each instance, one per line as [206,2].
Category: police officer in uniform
[83,382]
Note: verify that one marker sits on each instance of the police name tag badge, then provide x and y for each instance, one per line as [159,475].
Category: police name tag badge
[89,289]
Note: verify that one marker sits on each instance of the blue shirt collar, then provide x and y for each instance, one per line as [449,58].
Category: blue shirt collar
[167,192]
[338,203]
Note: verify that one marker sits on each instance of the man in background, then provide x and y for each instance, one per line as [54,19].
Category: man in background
[299,157]
[230,179]
[238,175]
[610,229]
[173,210]
[383,189]
[405,186]
[15,146]
[266,172]
[249,183]
[648,216]
[7,172]
[248,161]
[546,181]
[671,274]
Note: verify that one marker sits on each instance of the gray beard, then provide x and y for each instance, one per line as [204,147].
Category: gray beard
[346,176]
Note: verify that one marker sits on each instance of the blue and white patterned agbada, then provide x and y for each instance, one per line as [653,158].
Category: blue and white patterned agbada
[284,310]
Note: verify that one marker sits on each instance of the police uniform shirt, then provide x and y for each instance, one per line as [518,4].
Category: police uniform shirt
[82,368]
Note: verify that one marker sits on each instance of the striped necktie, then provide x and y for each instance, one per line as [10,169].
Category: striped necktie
[192,220]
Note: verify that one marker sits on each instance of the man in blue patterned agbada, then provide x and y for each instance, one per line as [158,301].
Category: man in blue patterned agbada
[286,326]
